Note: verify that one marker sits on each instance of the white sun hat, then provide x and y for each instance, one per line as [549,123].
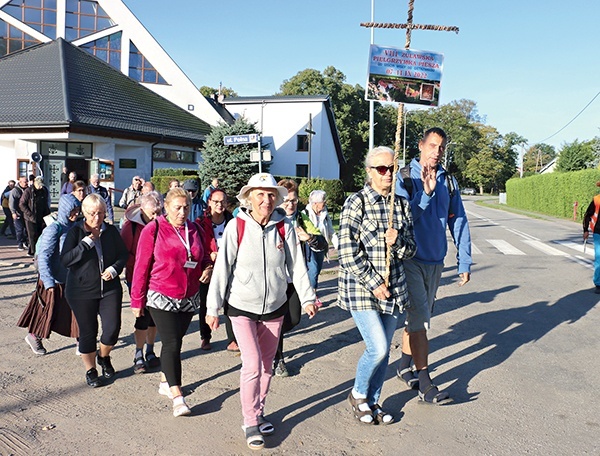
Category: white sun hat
[262,180]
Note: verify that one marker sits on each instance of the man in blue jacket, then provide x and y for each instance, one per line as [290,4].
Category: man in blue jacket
[95,187]
[435,204]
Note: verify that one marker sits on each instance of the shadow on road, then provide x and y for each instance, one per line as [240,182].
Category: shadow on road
[501,333]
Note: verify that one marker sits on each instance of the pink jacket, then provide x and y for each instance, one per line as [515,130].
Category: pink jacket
[159,267]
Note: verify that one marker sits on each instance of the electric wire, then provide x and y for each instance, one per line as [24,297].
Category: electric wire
[571,121]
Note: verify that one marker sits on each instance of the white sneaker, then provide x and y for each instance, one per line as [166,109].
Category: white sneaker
[36,344]
[181,409]
[164,390]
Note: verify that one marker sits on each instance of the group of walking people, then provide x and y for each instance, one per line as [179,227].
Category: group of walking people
[260,268]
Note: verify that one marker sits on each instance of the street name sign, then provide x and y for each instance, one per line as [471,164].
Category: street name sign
[240,139]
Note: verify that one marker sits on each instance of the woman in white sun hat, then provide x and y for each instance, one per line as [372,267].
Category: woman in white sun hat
[249,281]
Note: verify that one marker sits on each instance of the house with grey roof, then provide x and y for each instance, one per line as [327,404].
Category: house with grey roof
[299,133]
[78,111]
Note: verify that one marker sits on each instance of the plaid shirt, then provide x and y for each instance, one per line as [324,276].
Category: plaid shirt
[362,251]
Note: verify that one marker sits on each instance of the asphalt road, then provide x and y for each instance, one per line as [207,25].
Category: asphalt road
[516,348]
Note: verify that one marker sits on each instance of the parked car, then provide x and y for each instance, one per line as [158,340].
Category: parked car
[468,191]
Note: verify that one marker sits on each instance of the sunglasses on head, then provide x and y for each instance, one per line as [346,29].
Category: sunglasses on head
[383,169]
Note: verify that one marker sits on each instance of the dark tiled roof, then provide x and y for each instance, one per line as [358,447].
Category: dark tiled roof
[56,84]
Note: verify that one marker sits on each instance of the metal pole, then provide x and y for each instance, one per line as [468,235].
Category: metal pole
[309,132]
[371,102]
[262,108]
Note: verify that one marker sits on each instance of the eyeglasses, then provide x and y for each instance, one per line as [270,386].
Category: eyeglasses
[292,201]
[96,214]
[383,169]
[221,202]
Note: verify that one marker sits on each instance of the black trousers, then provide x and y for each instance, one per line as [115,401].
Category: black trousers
[291,318]
[8,222]
[34,230]
[86,313]
[172,326]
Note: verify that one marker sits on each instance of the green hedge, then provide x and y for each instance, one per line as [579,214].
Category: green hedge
[333,188]
[554,193]
[163,176]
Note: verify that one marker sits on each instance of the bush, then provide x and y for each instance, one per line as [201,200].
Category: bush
[333,188]
[163,176]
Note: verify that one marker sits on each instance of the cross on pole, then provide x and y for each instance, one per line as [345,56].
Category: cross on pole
[409,26]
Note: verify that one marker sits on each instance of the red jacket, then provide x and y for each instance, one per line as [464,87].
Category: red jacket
[159,267]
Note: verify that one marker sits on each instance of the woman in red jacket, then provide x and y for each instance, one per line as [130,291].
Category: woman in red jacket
[170,261]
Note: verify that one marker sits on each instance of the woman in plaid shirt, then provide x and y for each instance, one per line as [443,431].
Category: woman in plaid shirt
[375,307]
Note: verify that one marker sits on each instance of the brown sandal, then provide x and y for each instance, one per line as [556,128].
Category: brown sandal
[380,416]
[359,414]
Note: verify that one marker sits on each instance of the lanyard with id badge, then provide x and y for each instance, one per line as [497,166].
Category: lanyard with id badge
[186,243]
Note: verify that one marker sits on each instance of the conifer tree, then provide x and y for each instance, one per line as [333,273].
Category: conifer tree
[230,164]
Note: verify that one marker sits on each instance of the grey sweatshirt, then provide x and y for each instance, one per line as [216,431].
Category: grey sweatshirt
[252,276]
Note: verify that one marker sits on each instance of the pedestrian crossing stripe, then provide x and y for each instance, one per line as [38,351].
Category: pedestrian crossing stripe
[505,247]
[545,248]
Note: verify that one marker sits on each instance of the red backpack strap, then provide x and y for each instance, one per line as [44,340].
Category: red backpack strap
[281,228]
[241,226]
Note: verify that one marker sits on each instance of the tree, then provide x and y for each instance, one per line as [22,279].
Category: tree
[575,156]
[211,91]
[351,115]
[231,164]
[461,122]
[536,157]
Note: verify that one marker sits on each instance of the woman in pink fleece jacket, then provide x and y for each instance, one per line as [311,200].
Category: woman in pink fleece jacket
[170,264]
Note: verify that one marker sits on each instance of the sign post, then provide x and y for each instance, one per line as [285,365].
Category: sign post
[252,138]
[409,26]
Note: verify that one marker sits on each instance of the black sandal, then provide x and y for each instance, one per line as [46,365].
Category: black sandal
[408,376]
[139,367]
[359,414]
[380,416]
[152,360]
[438,397]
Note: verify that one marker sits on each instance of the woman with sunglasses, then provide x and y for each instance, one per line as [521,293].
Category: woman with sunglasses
[374,304]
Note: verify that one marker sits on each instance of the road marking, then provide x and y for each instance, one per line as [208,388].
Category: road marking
[480,217]
[523,235]
[544,248]
[505,247]
[582,261]
[475,250]
[579,247]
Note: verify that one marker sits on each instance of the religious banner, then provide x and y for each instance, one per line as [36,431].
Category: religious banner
[404,75]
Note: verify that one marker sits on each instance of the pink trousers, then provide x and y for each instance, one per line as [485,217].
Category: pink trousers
[258,343]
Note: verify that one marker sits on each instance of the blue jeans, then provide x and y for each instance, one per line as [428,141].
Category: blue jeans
[20,231]
[597,259]
[314,266]
[377,330]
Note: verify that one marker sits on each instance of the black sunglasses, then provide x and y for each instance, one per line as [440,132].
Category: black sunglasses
[383,169]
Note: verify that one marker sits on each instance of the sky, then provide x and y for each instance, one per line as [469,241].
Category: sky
[530,65]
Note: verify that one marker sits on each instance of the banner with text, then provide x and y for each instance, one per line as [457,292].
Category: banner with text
[404,75]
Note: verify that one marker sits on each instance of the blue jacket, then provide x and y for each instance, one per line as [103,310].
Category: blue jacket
[50,242]
[104,193]
[432,214]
